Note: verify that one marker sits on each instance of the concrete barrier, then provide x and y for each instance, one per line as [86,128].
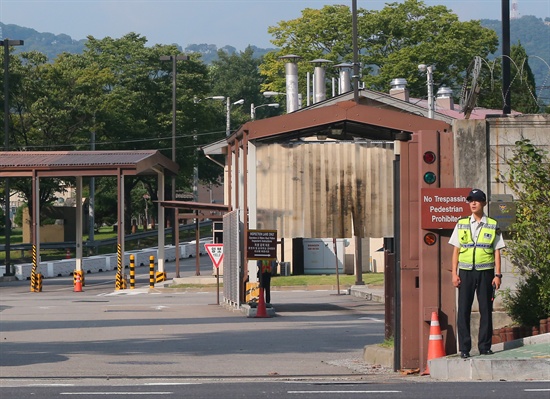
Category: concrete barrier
[100,263]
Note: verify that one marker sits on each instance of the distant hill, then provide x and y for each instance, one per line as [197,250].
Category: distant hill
[52,45]
[46,43]
[533,33]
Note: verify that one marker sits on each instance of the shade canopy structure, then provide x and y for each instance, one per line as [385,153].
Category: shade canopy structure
[78,164]
[84,163]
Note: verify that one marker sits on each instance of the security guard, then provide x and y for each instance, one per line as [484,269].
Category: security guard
[265,270]
[476,270]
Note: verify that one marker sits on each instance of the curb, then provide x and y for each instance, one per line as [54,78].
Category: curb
[365,294]
[456,369]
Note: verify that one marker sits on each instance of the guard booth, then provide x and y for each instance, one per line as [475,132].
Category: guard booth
[429,207]
[423,283]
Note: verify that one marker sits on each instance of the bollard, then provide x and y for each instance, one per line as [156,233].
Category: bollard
[39,278]
[151,271]
[33,281]
[34,268]
[119,283]
[132,272]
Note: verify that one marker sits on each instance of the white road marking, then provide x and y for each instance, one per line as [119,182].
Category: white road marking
[333,392]
[537,390]
[170,383]
[116,393]
[50,385]
[371,319]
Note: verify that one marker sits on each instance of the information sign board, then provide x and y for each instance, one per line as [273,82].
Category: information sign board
[262,244]
[442,207]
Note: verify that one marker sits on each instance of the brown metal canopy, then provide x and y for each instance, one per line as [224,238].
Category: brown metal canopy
[84,163]
[36,165]
[344,121]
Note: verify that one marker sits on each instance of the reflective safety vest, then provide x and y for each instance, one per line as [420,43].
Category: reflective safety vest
[266,266]
[478,255]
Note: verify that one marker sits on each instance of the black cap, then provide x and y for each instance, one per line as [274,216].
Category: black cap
[476,195]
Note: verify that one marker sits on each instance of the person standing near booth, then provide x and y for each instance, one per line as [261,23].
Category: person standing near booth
[265,270]
[476,269]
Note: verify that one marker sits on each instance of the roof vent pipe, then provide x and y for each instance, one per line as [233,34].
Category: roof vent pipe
[445,98]
[399,89]
[319,83]
[344,77]
[291,72]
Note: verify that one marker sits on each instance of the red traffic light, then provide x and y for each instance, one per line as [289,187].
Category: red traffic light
[429,157]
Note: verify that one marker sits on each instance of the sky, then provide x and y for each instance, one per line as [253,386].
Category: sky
[237,23]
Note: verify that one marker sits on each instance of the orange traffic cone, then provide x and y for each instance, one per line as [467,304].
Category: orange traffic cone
[77,283]
[436,348]
[262,311]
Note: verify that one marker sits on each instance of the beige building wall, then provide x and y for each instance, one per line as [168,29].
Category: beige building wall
[325,189]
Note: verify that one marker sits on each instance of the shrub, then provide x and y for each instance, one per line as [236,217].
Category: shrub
[529,249]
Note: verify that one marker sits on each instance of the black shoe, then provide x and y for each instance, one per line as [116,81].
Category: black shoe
[487,352]
[464,355]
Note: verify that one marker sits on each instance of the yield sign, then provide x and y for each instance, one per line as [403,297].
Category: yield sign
[215,251]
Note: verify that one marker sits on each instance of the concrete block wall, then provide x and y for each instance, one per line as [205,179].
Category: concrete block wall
[100,263]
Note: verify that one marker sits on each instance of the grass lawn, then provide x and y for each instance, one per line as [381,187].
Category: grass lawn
[373,279]
[345,280]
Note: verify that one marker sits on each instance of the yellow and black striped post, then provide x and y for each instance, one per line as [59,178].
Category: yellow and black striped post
[34,278]
[132,272]
[151,271]
[39,278]
[160,277]
[120,283]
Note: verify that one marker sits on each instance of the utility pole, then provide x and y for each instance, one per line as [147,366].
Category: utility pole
[174,59]
[6,43]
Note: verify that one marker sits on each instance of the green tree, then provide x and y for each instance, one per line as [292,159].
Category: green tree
[2,220]
[119,89]
[392,43]
[52,105]
[136,111]
[522,87]
[529,249]
[234,75]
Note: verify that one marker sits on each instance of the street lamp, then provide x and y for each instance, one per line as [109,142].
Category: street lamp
[228,116]
[273,93]
[174,59]
[6,43]
[429,74]
[253,108]
[228,105]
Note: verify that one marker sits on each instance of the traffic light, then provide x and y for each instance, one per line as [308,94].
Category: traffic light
[429,172]
[429,158]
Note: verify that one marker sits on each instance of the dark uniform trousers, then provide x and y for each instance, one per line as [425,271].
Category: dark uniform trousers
[471,282]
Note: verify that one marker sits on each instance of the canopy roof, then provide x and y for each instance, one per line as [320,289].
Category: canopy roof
[84,163]
[345,120]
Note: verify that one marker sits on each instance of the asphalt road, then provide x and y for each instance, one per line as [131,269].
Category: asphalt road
[173,343]
[277,389]
[103,333]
